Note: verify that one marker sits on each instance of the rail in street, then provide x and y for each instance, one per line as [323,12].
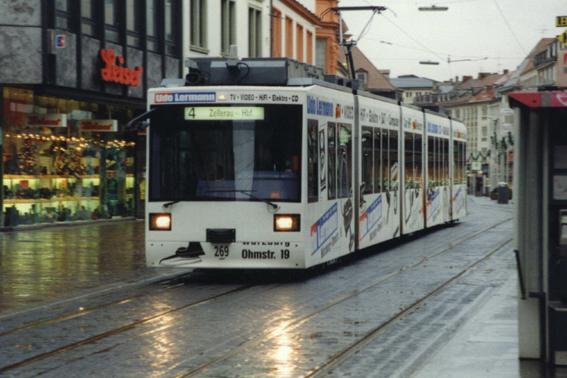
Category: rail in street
[210,325]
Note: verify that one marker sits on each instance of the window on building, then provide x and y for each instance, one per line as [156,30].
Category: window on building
[309,47]
[228,25]
[133,23]
[171,25]
[277,33]
[320,52]
[88,19]
[299,43]
[288,37]
[63,11]
[362,77]
[111,24]
[254,32]
[198,24]
[151,25]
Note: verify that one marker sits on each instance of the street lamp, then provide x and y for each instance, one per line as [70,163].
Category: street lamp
[433,8]
[429,62]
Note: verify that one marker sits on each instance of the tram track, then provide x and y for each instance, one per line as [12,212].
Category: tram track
[131,325]
[352,294]
[115,331]
[354,348]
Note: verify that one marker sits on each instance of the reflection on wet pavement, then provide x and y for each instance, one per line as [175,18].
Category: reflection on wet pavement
[39,266]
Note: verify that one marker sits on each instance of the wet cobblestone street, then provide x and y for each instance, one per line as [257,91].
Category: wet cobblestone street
[383,315]
[44,265]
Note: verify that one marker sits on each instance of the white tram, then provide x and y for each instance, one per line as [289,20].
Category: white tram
[292,176]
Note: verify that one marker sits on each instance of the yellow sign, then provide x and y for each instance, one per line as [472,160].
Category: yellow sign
[563,38]
[561,21]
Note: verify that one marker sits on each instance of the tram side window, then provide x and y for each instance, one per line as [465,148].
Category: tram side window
[344,160]
[394,166]
[431,161]
[377,136]
[385,160]
[367,160]
[331,160]
[418,158]
[408,154]
[313,162]
[456,162]
[445,162]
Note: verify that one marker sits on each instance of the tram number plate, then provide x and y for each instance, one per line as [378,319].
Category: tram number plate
[221,251]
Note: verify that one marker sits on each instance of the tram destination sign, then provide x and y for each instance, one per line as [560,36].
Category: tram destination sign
[224,113]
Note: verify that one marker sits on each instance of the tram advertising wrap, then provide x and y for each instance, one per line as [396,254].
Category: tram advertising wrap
[292,177]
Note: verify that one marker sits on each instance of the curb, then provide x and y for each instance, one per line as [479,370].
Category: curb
[41,226]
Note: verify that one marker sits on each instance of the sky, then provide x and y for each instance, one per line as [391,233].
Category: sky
[493,34]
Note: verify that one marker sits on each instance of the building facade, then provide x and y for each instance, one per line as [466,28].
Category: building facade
[72,74]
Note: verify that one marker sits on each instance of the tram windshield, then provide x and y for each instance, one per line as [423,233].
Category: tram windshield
[225,152]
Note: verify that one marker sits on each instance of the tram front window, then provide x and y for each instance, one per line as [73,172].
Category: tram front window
[228,152]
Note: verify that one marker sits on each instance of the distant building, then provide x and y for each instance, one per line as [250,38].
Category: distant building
[370,78]
[413,86]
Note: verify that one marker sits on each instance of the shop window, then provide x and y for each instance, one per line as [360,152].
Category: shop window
[228,25]
[199,25]
[65,160]
[332,160]
[254,32]
[312,160]
[133,23]
[111,21]
[367,160]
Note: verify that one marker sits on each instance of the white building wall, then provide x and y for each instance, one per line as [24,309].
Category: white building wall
[297,19]
[213,28]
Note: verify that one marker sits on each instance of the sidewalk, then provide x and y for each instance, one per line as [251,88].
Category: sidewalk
[51,264]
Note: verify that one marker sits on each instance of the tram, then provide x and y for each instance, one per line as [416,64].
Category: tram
[292,175]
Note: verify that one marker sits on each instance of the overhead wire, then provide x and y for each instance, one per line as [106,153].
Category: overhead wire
[509,27]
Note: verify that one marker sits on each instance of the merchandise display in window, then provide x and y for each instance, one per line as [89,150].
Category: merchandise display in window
[54,170]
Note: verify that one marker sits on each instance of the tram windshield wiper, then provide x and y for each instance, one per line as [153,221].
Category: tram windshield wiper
[249,193]
[171,203]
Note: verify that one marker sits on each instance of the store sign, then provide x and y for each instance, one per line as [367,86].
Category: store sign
[99,125]
[114,70]
[48,120]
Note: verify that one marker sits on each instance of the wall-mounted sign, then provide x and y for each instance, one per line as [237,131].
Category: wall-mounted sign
[48,120]
[99,125]
[114,70]
[561,21]
[60,41]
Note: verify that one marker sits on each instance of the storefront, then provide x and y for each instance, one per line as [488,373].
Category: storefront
[77,72]
[67,160]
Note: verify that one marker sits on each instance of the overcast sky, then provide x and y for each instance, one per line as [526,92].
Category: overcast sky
[504,31]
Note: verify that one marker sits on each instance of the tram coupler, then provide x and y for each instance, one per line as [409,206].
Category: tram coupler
[192,251]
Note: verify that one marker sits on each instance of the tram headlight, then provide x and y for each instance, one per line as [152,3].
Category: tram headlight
[286,222]
[160,221]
